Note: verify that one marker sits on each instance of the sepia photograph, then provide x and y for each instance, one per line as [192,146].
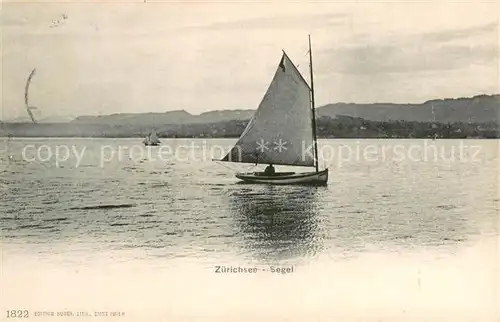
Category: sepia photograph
[250,161]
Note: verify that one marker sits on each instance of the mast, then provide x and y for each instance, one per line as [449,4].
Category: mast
[315,140]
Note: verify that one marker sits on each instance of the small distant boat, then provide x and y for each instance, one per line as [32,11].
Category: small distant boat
[151,139]
[282,131]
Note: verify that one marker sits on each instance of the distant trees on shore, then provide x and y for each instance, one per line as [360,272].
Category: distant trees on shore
[338,127]
[349,127]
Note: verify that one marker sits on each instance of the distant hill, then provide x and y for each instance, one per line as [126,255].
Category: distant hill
[49,119]
[476,117]
[481,108]
[477,109]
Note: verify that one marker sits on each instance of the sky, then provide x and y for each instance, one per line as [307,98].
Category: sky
[105,57]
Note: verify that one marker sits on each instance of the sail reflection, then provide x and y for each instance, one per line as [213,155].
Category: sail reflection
[277,222]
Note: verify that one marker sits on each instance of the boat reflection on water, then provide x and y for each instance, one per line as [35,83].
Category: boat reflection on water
[278,223]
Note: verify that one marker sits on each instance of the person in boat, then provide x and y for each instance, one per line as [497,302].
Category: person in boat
[269,171]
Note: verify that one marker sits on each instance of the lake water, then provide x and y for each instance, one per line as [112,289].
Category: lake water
[405,230]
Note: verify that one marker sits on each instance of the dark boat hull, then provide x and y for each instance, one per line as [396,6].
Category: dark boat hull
[286,178]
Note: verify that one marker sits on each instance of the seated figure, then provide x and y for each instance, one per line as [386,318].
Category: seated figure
[269,171]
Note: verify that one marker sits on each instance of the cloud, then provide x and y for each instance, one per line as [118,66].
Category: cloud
[454,34]
[203,56]
[8,21]
[290,21]
[409,59]
[437,51]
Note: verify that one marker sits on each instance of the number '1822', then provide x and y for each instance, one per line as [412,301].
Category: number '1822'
[17,314]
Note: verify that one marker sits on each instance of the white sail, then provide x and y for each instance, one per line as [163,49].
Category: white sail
[281,131]
[146,140]
[153,138]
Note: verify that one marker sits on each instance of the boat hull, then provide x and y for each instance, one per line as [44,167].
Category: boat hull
[287,178]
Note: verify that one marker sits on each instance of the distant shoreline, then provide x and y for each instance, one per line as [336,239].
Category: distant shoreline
[339,127]
[235,138]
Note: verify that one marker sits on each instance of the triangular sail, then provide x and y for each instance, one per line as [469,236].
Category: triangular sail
[280,132]
[153,138]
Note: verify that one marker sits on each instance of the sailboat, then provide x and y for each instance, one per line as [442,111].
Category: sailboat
[151,139]
[282,131]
